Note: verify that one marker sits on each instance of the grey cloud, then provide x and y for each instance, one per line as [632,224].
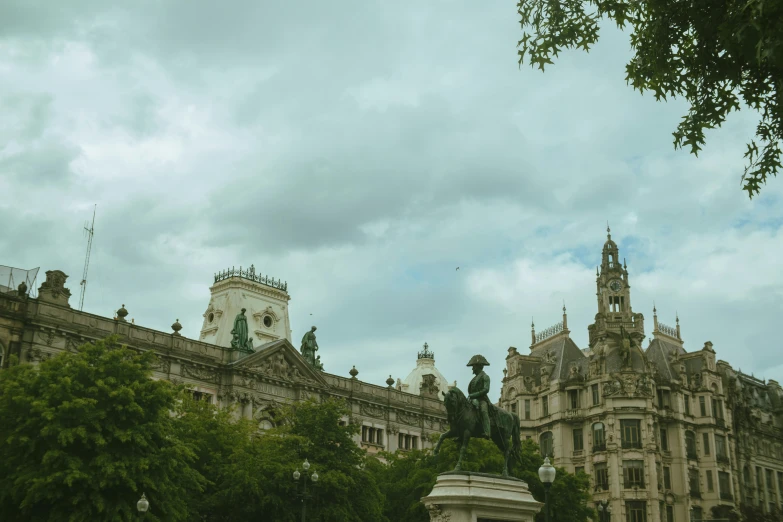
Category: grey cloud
[47,162]
[25,116]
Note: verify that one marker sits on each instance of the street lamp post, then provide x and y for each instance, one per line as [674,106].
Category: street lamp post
[304,495]
[547,474]
[604,511]
[142,506]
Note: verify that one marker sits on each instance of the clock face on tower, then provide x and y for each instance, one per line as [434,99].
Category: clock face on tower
[615,285]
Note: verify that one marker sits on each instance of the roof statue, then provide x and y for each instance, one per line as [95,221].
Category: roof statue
[308,349]
[241,341]
[475,416]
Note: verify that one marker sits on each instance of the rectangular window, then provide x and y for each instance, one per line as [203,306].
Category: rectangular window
[379,436]
[706,443]
[201,396]
[664,439]
[544,406]
[702,406]
[415,442]
[724,485]
[664,399]
[667,477]
[693,482]
[770,481]
[696,514]
[633,474]
[631,433]
[719,410]
[690,445]
[687,401]
[635,511]
[599,439]
[715,408]
[573,399]
[596,396]
[578,440]
[527,409]
[710,483]
[514,407]
[720,449]
[601,476]
[669,513]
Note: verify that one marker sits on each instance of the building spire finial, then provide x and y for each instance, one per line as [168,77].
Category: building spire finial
[608,231]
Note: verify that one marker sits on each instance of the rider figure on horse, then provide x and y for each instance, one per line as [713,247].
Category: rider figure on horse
[478,390]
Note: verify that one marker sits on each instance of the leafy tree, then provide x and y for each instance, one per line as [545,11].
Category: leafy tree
[346,491]
[85,433]
[408,476]
[750,513]
[713,53]
[725,512]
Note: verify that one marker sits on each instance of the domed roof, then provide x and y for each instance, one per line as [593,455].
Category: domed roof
[425,365]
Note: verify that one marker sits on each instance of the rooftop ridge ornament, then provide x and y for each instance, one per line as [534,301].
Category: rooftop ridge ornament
[426,353]
[251,275]
[549,332]
[667,330]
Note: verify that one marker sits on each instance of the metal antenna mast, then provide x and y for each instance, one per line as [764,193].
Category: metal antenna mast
[89,232]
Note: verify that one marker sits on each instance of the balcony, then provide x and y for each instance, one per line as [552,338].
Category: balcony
[691,455]
[601,486]
[599,447]
[632,444]
[723,459]
[695,494]
[726,496]
[574,415]
[720,422]
[578,453]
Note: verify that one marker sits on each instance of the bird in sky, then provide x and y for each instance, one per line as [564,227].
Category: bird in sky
[457,268]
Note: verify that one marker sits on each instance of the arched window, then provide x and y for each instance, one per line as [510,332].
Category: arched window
[599,437]
[546,444]
[690,445]
[266,424]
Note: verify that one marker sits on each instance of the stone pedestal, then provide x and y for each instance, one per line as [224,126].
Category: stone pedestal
[463,496]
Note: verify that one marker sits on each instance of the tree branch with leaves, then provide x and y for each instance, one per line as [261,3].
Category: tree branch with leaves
[716,54]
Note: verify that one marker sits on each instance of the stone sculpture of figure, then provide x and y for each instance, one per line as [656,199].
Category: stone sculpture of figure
[241,340]
[22,289]
[625,347]
[318,365]
[309,347]
[478,390]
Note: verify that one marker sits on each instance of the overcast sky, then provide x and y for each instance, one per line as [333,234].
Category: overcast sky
[361,151]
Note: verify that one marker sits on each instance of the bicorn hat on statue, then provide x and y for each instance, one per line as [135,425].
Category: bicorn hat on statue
[478,359]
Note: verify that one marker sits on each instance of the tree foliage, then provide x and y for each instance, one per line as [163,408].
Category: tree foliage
[83,435]
[713,53]
[406,477]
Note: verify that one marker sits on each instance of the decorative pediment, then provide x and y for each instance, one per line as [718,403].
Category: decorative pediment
[280,360]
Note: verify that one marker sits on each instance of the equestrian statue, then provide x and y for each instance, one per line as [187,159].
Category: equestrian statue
[475,416]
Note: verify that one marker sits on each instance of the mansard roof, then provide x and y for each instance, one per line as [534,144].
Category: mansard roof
[660,353]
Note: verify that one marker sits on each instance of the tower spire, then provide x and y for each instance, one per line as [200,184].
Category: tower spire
[532,331]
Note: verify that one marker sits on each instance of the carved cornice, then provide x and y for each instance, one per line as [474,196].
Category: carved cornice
[372,410]
[202,373]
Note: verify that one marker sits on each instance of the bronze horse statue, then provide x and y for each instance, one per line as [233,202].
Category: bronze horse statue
[465,423]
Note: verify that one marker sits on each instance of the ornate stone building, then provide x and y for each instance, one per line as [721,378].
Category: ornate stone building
[664,434]
[257,381]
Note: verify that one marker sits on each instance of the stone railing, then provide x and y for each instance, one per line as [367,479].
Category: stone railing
[667,330]
[251,275]
[549,332]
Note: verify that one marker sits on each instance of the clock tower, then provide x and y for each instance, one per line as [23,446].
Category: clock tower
[613,291]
